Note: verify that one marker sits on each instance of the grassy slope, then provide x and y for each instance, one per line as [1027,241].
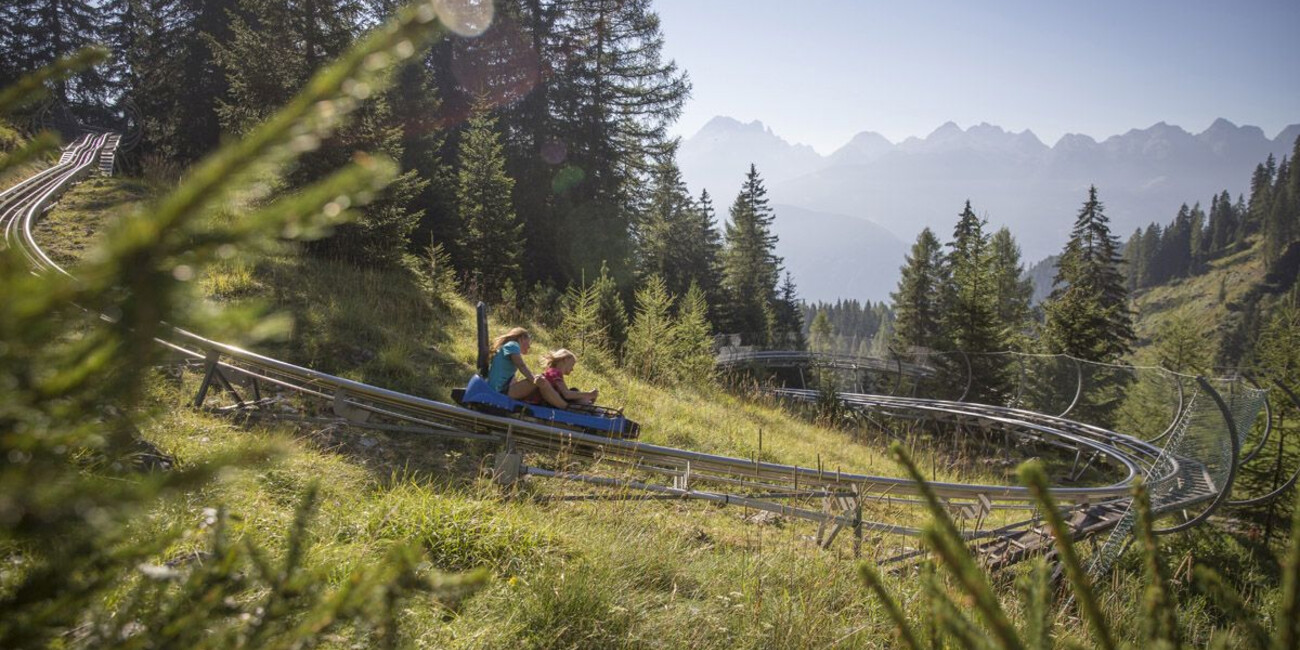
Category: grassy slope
[571,573]
[1199,297]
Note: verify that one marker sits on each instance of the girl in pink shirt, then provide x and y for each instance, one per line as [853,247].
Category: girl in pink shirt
[550,383]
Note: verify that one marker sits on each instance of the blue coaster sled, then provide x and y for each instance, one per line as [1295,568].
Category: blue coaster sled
[587,418]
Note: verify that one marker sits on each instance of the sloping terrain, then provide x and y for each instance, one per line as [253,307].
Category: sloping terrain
[575,567]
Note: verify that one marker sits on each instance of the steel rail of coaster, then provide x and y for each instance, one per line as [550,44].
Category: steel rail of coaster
[742,481]
[1184,473]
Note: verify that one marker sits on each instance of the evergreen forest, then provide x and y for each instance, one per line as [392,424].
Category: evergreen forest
[339,184]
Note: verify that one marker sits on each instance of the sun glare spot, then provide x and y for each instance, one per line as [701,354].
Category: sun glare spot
[554,152]
[465,17]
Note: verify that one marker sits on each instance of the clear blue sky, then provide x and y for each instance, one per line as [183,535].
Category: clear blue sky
[819,71]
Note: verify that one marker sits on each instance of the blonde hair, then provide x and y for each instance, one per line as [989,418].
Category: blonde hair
[513,335]
[550,359]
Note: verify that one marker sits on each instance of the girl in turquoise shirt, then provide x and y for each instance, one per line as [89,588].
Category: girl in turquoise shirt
[508,352]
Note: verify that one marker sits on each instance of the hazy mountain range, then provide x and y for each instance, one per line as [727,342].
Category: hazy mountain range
[1013,179]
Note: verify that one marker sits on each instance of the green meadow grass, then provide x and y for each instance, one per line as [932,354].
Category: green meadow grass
[569,573]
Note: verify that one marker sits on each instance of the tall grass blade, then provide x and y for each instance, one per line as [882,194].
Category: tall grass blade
[905,633]
[1160,619]
[944,538]
[1033,476]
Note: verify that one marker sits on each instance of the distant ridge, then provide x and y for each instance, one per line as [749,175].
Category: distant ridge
[1013,179]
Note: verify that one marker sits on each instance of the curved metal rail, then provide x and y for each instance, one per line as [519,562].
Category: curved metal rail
[735,480]
[1157,466]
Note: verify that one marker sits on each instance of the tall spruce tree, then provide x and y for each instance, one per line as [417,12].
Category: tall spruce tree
[146,36]
[787,330]
[704,254]
[664,232]
[916,303]
[36,33]
[1261,195]
[1134,261]
[274,48]
[970,311]
[417,109]
[612,97]
[1013,291]
[613,313]
[1087,313]
[204,77]
[1280,227]
[1223,223]
[1197,240]
[491,236]
[750,266]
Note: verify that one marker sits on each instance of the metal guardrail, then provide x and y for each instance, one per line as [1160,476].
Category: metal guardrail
[733,480]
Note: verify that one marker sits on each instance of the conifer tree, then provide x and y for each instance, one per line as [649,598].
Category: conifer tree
[613,314]
[704,254]
[750,266]
[612,97]
[273,49]
[1261,190]
[122,23]
[36,33]
[880,341]
[1181,346]
[649,348]
[491,236]
[916,303]
[1150,271]
[1013,291]
[820,333]
[667,228]
[1175,246]
[1134,260]
[581,327]
[1223,223]
[1087,313]
[691,334]
[1280,227]
[175,81]
[1196,256]
[417,110]
[970,310]
[787,331]
[146,41]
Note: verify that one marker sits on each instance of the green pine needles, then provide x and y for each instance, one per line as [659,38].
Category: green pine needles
[960,607]
[70,397]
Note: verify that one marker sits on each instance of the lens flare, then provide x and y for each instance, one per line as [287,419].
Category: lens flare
[554,152]
[465,17]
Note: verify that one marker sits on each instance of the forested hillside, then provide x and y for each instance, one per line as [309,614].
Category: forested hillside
[1232,270]
[334,184]
[531,138]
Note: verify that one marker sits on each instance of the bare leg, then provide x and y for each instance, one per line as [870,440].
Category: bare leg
[550,395]
[520,390]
